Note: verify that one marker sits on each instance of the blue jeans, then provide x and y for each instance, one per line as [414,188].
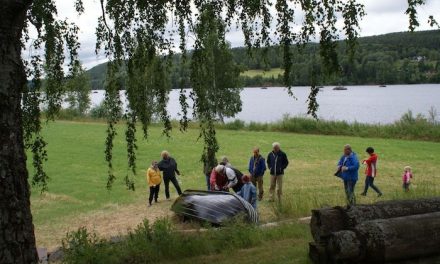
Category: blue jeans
[208,183]
[349,191]
[369,182]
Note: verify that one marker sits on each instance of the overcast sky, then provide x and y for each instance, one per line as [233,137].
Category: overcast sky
[383,16]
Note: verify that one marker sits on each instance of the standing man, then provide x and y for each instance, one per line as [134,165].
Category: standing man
[169,167]
[371,172]
[277,162]
[348,166]
[257,167]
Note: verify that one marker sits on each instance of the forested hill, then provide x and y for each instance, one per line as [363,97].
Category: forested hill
[395,58]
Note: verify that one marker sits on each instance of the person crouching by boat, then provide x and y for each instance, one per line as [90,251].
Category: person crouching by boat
[248,191]
[169,167]
[218,181]
[153,179]
[232,179]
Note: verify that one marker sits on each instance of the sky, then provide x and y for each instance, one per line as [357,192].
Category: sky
[383,16]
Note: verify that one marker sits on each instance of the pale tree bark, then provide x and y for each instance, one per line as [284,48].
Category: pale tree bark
[17,239]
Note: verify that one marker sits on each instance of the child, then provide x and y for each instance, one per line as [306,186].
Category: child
[406,177]
[153,179]
[371,172]
[248,191]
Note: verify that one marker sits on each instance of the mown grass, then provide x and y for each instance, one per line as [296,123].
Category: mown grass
[274,72]
[77,192]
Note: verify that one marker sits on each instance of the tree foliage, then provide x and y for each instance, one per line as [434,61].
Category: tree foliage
[138,36]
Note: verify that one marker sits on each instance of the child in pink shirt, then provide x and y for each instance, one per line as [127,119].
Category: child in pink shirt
[406,177]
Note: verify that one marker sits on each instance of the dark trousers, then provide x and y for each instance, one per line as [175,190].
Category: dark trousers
[369,182]
[154,193]
[349,191]
[167,180]
[208,182]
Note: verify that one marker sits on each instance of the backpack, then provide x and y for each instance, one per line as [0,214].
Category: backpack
[239,177]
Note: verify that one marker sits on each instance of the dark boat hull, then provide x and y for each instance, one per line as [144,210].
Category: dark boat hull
[213,207]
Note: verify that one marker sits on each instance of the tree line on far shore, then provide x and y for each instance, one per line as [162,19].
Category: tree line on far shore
[395,58]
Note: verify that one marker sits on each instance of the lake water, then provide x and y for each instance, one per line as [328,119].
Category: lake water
[366,104]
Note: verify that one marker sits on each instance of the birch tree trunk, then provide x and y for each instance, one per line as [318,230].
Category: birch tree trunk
[17,239]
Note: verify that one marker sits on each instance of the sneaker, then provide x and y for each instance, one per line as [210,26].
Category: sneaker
[379,195]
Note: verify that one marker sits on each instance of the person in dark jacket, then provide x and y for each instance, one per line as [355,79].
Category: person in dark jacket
[276,162]
[348,166]
[169,167]
[257,167]
[209,165]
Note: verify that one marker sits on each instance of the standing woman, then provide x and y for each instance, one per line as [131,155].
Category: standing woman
[169,167]
[348,167]
[153,179]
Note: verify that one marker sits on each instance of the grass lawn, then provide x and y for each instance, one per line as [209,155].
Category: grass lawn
[77,195]
[274,72]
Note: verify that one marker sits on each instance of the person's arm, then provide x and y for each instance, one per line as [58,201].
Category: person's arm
[286,161]
[149,177]
[341,161]
[268,161]
[175,167]
[353,164]
[251,166]
[212,180]
[262,165]
[232,178]
[160,165]
[368,161]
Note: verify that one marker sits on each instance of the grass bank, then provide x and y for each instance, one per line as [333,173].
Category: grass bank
[408,127]
[77,195]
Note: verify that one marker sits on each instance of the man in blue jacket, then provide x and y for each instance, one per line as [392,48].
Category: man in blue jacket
[257,167]
[348,167]
[277,162]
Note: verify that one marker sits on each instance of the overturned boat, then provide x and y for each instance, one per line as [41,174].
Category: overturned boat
[213,207]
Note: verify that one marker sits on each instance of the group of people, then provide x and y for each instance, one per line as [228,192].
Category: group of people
[348,167]
[168,166]
[223,176]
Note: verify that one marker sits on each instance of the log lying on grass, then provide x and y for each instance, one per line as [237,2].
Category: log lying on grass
[384,240]
[327,220]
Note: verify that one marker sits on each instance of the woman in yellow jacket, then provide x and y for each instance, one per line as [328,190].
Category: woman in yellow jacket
[153,179]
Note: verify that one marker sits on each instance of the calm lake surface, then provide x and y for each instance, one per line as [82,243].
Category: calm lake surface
[366,104]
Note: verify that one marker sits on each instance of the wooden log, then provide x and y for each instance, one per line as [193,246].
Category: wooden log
[327,220]
[318,253]
[356,215]
[384,240]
